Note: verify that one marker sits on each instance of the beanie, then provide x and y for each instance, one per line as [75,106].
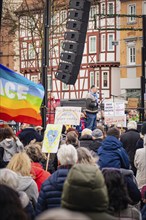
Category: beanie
[97,133]
[85,189]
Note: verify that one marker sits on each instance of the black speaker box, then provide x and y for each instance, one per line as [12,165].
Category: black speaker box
[74,40]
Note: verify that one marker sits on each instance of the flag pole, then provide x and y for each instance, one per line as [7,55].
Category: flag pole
[45,60]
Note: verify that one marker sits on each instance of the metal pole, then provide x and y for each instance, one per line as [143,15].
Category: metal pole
[45,59]
[1,9]
[143,77]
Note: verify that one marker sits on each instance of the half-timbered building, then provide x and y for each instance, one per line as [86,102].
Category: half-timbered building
[100,62]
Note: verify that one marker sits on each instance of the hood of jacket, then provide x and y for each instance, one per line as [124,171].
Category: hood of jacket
[111,143]
[38,171]
[85,189]
[8,143]
[10,147]
[24,199]
[24,182]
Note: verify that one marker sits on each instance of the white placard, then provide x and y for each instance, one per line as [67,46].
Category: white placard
[119,108]
[116,120]
[109,108]
[68,115]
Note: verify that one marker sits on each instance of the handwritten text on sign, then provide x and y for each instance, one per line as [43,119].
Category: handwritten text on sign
[119,108]
[109,108]
[116,120]
[68,115]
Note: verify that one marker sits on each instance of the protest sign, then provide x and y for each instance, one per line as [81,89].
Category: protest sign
[132,102]
[52,138]
[119,108]
[108,108]
[68,115]
[116,120]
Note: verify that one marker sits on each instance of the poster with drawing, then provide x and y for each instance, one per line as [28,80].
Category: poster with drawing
[52,138]
[68,115]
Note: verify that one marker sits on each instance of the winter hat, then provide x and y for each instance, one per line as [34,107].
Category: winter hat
[85,189]
[97,133]
[143,128]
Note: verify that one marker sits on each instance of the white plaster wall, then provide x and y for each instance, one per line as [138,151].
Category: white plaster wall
[110,57]
[130,83]
[115,82]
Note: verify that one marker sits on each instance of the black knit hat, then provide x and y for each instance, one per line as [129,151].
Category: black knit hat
[143,128]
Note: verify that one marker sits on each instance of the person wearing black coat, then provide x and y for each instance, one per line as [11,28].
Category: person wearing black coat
[97,137]
[129,140]
[51,190]
[86,141]
[140,142]
[28,134]
[86,138]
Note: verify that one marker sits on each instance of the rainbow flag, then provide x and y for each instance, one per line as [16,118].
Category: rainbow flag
[20,98]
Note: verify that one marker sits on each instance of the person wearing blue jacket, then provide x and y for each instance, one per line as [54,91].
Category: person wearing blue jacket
[111,153]
[51,190]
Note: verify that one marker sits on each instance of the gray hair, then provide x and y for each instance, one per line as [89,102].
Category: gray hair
[132,125]
[67,155]
[85,156]
[9,178]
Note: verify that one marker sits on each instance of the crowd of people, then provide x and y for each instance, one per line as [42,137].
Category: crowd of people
[94,175]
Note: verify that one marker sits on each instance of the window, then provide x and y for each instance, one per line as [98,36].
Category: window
[131,55]
[103,8]
[103,42]
[49,78]
[24,54]
[31,23]
[65,86]
[144,8]
[23,26]
[24,45]
[110,8]
[132,12]
[97,80]
[92,78]
[63,16]
[110,42]
[105,80]
[31,52]
[92,44]
[61,44]
[93,12]
[34,79]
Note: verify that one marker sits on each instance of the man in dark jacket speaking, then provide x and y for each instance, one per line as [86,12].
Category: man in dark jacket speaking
[91,107]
